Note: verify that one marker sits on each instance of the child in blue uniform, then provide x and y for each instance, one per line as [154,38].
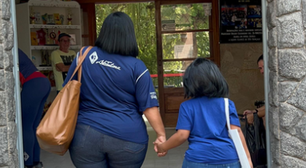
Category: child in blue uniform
[202,120]
[35,91]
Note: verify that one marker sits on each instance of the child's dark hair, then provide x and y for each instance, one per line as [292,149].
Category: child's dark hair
[203,78]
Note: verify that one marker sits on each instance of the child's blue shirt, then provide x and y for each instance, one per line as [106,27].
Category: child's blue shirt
[208,140]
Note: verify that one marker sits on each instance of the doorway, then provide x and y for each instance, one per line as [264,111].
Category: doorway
[162,74]
[185,31]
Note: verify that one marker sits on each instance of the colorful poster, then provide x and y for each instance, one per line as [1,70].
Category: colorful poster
[240,21]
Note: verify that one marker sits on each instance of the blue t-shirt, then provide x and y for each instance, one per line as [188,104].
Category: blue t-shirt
[115,91]
[208,140]
[26,66]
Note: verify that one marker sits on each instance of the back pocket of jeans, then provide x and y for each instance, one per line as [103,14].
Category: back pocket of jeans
[134,147]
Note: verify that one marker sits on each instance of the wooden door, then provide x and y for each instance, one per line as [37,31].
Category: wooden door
[89,24]
[185,31]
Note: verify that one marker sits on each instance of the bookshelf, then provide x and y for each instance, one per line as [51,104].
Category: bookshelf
[39,22]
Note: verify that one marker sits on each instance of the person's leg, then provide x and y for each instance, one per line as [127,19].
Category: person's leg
[44,90]
[85,148]
[31,97]
[27,124]
[124,154]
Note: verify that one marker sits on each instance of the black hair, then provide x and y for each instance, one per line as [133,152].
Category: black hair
[117,35]
[203,78]
[260,58]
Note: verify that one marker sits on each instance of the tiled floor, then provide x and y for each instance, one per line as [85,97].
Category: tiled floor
[173,159]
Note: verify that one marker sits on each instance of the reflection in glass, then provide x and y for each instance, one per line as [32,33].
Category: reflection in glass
[186,45]
[185,16]
[174,72]
[154,78]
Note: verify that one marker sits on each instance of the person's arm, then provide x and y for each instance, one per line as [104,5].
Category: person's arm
[243,143]
[62,67]
[246,112]
[57,62]
[146,98]
[250,118]
[70,72]
[183,127]
[261,111]
[154,118]
[174,141]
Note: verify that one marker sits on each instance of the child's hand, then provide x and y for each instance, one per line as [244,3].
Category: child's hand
[159,139]
[158,149]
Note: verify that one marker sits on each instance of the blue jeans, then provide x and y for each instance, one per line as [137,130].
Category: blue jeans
[92,149]
[188,164]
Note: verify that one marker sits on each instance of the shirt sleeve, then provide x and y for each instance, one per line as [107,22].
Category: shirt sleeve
[234,119]
[184,121]
[144,90]
[56,58]
[71,70]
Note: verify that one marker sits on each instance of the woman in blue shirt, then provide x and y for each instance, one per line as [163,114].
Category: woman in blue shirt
[116,91]
[202,120]
[35,91]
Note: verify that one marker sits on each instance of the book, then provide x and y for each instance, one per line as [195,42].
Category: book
[62,19]
[34,40]
[57,19]
[38,19]
[44,18]
[50,19]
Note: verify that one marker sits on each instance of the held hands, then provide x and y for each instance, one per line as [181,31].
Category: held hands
[157,146]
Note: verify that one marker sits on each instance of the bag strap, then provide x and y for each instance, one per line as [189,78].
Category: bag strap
[80,61]
[227,113]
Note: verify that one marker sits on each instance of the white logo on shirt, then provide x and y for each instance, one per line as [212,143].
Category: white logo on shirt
[93,57]
[108,64]
[26,156]
[153,95]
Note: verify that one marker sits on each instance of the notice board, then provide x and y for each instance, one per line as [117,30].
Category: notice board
[240,21]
